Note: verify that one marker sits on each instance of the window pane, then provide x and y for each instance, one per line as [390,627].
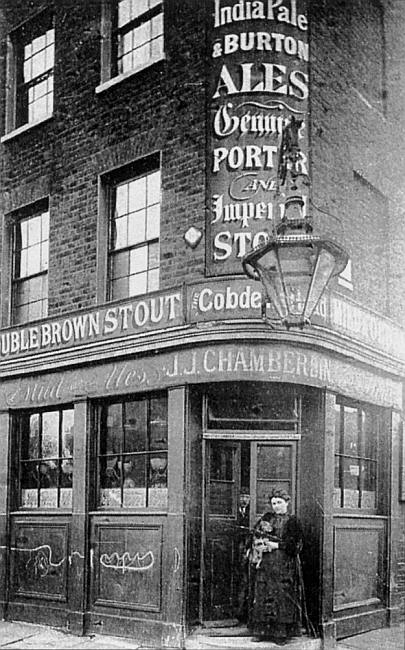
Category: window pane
[44,256]
[351,431]
[351,474]
[153,222]
[142,34]
[138,284]
[50,434]
[274,462]
[157,25]
[153,280]
[158,423]
[120,265]
[369,434]
[119,289]
[137,194]
[124,8]
[138,259]
[113,436]
[33,445]
[157,47]
[67,432]
[153,256]
[125,63]
[34,259]
[135,426]
[136,227]
[120,233]
[141,55]
[38,63]
[34,230]
[154,188]
[158,470]
[138,7]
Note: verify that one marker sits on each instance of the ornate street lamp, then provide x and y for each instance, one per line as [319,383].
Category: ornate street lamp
[294,265]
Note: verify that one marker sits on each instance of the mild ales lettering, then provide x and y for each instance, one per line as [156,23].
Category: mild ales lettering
[259,79]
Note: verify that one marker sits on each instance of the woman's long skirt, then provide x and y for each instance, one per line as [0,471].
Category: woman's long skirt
[275,608]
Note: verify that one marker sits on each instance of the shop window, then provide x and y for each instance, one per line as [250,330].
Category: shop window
[132,458]
[31,72]
[46,458]
[132,36]
[134,231]
[356,457]
[30,265]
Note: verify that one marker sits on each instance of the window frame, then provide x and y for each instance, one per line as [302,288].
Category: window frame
[18,419]
[100,410]
[107,184]
[30,211]
[108,74]
[37,25]
[378,461]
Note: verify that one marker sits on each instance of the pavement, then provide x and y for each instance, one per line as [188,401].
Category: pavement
[15,635]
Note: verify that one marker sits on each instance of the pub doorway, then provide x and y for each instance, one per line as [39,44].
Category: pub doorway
[251,437]
[235,469]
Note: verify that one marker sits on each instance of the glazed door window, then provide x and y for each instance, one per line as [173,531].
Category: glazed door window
[46,459]
[273,466]
[356,458]
[132,457]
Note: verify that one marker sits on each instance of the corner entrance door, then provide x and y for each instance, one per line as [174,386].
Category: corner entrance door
[233,468]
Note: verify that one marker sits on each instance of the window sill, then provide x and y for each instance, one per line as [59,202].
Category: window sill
[24,128]
[126,75]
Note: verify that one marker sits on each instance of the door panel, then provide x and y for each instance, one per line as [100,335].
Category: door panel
[232,468]
[222,491]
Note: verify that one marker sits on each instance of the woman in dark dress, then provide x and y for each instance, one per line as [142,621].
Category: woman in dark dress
[275,604]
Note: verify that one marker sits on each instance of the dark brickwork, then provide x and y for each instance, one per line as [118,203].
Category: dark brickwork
[161,108]
[357,140]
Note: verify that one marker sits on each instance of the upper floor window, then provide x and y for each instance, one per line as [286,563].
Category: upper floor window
[139,35]
[134,230]
[31,72]
[132,36]
[46,458]
[30,266]
[132,453]
[356,457]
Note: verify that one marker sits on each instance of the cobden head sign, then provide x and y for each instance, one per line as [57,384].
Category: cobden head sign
[259,79]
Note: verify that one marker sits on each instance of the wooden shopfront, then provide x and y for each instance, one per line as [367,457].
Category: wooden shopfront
[122,471]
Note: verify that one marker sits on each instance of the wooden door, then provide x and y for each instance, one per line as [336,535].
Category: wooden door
[231,468]
[221,540]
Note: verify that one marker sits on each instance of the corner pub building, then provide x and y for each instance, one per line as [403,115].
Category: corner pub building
[141,390]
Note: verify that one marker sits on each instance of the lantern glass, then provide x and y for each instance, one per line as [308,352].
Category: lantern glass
[324,268]
[294,273]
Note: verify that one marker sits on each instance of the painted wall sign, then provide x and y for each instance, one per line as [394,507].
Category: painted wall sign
[259,78]
[139,315]
[215,363]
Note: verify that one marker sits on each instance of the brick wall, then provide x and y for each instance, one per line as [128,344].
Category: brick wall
[357,140]
[161,108]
